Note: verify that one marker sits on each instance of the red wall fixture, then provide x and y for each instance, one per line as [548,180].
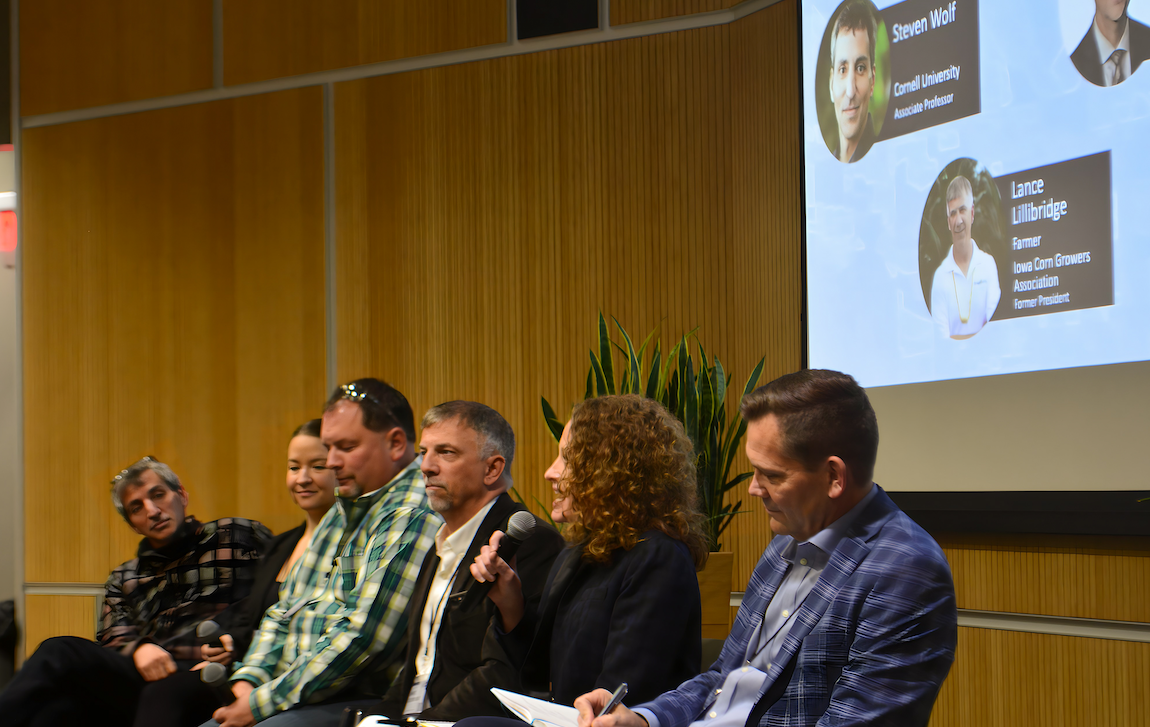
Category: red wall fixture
[7,231]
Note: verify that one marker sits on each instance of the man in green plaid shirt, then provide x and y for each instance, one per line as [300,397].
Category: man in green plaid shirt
[342,610]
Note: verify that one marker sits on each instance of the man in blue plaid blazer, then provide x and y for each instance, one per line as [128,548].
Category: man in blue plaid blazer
[849,618]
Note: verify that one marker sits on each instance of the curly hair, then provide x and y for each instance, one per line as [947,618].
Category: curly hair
[630,468]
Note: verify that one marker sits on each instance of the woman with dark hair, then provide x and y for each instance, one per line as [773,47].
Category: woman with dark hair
[622,602]
[312,486]
[173,701]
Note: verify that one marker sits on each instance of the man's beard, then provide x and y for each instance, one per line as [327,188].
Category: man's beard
[441,500]
[353,490]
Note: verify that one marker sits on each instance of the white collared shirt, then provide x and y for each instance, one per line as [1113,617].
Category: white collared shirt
[450,549]
[1105,50]
[974,295]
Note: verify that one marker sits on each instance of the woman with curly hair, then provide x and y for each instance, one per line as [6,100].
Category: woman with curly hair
[622,601]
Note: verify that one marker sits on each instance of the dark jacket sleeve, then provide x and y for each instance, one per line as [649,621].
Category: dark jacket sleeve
[241,619]
[528,645]
[654,635]
[118,627]
[636,619]
[472,696]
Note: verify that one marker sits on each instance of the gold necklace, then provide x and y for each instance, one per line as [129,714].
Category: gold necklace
[970,298]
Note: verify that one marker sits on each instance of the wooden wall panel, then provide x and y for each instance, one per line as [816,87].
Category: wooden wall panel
[1106,578]
[273,38]
[78,53]
[509,201]
[281,365]
[635,11]
[173,299]
[47,616]
[488,211]
[766,261]
[1005,678]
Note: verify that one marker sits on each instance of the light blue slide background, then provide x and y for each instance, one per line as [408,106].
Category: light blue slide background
[866,313]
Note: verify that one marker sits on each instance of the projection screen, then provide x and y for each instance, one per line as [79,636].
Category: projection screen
[977,190]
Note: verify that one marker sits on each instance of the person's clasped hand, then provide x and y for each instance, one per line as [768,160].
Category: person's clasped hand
[153,662]
[224,654]
[239,712]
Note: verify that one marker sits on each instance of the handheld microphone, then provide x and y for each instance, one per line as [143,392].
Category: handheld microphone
[215,677]
[520,526]
[208,632]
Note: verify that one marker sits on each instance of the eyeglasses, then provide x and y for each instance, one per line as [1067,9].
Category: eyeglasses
[148,460]
[353,394]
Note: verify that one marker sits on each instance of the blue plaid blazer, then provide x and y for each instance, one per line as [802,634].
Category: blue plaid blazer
[872,643]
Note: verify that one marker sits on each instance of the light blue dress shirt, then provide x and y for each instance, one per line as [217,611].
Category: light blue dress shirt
[742,687]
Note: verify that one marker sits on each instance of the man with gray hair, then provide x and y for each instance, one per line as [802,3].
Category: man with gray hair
[184,572]
[450,668]
[965,290]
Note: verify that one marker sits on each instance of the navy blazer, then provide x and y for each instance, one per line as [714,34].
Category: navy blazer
[1087,60]
[871,644]
[637,619]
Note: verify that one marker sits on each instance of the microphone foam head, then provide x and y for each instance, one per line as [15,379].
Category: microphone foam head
[207,629]
[520,525]
[214,675]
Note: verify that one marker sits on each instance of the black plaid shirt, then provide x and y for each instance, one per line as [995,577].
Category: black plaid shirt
[162,594]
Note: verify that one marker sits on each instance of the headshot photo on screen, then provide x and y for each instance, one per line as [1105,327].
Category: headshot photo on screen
[962,255]
[1114,44]
[852,81]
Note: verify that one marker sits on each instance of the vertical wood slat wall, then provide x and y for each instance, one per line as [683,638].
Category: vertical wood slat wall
[76,53]
[173,306]
[484,213]
[473,258]
[1067,576]
[1011,678]
[637,11]
[266,39]
[58,616]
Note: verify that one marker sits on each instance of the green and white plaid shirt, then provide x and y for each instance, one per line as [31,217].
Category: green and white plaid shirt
[345,599]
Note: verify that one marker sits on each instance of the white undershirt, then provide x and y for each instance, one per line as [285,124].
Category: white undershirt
[1105,50]
[450,549]
[975,292]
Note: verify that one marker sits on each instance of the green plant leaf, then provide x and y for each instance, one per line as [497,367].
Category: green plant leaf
[665,378]
[753,379]
[672,402]
[719,385]
[681,358]
[600,383]
[706,410]
[731,448]
[690,415]
[605,362]
[643,348]
[728,516]
[632,360]
[553,423]
[589,392]
[653,378]
[738,480]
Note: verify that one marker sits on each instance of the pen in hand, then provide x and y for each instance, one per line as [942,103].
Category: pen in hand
[614,701]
